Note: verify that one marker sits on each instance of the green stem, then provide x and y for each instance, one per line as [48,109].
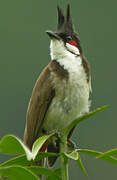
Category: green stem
[63,159]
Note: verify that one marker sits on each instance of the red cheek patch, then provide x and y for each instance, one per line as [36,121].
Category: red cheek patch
[72,42]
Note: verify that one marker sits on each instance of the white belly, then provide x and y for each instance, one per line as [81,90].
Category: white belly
[71,97]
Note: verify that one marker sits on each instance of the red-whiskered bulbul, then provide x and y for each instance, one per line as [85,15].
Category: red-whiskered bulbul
[61,93]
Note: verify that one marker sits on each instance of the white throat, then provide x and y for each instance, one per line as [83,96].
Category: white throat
[58,50]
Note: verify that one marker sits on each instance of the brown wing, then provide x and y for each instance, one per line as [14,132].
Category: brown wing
[42,96]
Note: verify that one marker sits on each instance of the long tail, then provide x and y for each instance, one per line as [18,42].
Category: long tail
[53,147]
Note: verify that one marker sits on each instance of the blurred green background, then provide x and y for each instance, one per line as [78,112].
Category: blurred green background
[24,52]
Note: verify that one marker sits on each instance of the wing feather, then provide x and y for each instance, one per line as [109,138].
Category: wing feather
[40,100]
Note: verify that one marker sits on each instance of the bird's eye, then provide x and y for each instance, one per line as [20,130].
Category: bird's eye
[69,38]
[71,41]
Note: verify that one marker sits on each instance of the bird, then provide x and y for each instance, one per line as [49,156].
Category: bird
[62,91]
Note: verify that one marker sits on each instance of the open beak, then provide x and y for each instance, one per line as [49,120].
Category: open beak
[53,35]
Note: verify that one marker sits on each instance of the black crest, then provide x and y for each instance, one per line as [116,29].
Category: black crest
[64,22]
[65,27]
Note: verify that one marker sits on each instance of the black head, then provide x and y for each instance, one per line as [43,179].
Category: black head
[65,29]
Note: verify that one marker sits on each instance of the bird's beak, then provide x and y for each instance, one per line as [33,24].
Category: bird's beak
[53,35]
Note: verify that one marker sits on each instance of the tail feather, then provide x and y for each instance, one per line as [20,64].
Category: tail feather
[53,147]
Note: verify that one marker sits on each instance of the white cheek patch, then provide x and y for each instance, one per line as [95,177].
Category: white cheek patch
[72,49]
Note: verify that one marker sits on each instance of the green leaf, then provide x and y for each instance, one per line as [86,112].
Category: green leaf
[40,170]
[22,160]
[89,152]
[97,154]
[17,173]
[53,178]
[112,152]
[80,164]
[58,172]
[72,155]
[82,118]
[38,144]
[11,144]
